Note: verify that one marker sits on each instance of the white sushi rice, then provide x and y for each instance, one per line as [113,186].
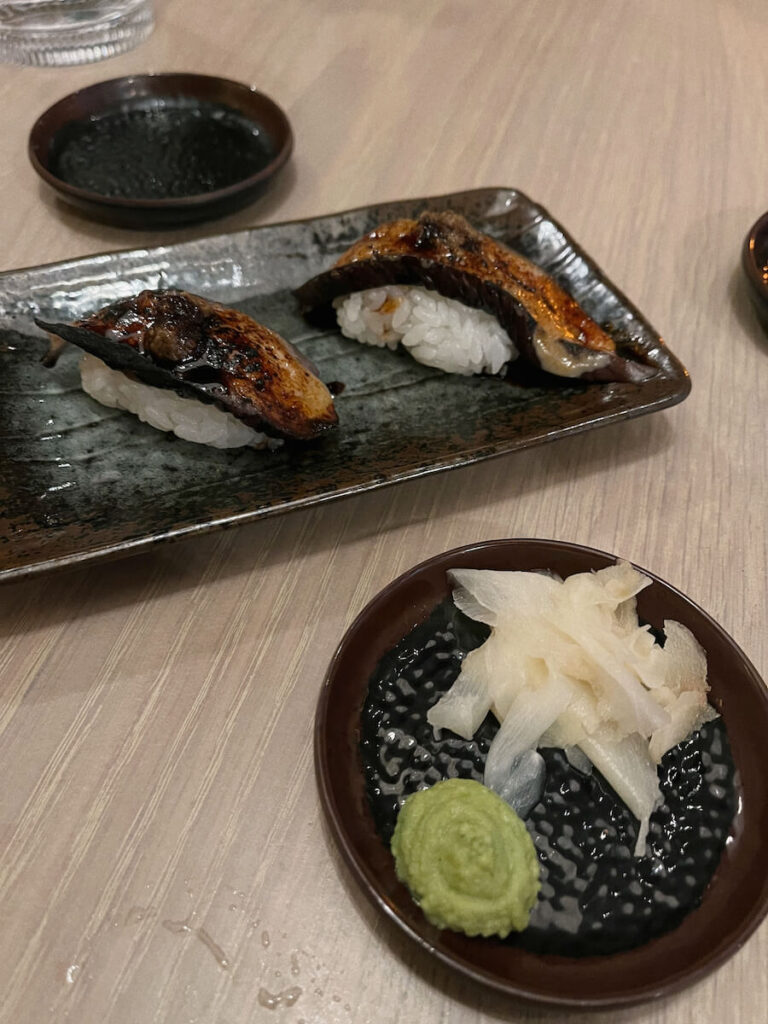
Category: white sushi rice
[188,418]
[437,331]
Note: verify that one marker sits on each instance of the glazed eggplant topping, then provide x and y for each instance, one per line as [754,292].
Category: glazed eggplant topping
[201,349]
[444,253]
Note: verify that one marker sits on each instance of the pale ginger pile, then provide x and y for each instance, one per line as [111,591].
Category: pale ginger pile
[568,665]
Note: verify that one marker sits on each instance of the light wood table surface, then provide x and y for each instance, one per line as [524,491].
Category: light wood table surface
[156,713]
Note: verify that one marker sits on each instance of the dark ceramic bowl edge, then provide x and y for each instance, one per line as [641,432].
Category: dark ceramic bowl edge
[758,288]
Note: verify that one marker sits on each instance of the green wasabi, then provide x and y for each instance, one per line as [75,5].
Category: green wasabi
[467,859]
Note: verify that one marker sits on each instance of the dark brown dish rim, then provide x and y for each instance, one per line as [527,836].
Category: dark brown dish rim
[757,241]
[736,899]
[85,103]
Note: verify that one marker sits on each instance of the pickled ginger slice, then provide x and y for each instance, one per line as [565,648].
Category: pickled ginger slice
[685,663]
[490,677]
[463,708]
[683,693]
[614,679]
[610,587]
[524,786]
[581,718]
[530,714]
[687,712]
[569,664]
[610,594]
[487,595]
[629,769]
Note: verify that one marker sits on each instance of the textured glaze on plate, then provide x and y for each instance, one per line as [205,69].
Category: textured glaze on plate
[736,899]
[79,481]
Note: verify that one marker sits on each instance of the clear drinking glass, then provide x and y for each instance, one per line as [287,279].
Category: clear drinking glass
[58,32]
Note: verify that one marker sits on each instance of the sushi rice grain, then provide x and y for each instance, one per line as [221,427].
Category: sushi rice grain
[187,418]
[437,331]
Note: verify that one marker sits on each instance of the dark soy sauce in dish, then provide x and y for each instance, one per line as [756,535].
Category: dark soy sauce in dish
[595,897]
[161,149]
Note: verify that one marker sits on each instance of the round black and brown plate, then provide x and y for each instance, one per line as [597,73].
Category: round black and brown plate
[148,151]
[609,929]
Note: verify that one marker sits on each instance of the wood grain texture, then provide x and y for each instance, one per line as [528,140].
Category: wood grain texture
[163,857]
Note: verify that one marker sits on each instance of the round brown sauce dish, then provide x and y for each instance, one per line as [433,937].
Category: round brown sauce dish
[154,150]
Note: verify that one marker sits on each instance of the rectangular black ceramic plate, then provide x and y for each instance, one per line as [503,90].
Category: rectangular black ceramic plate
[79,481]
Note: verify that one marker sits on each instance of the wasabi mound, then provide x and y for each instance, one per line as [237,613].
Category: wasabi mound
[466,858]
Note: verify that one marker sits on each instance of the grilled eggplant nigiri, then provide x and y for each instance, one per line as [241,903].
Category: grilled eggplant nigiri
[443,253]
[203,350]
